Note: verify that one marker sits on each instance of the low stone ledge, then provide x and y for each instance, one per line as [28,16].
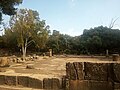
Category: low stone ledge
[89,85]
[2,79]
[96,71]
[11,80]
[74,71]
[35,83]
[116,86]
[116,70]
[52,83]
[23,80]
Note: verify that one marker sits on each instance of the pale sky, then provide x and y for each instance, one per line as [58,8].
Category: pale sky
[73,16]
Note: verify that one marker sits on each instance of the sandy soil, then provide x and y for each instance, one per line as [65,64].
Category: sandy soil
[48,67]
[52,66]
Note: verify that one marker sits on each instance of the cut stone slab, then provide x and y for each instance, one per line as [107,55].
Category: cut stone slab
[55,83]
[78,85]
[116,69]
[23,80]
[52,83]
[47,83]
[115,57]
[89,85]
[74,71]
[2,79]
[11,80]
[30,67]
[116,86]
[4,62]
[100,85]
[96,71]
[35,83]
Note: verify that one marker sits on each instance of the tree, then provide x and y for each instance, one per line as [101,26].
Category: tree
[7,7]
[99,39]
[28,28]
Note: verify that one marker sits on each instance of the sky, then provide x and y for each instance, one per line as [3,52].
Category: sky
[73,16]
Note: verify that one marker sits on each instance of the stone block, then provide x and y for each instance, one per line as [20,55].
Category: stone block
[100,85]
[11,80]
[23,81]
[116,69]
[2,79]
[4,62]
[89,85]
[47,83]
[63,84]
[116,86]
[30,67]
[78,85]
[115,57]
[74,71]
[53,83]
[96,71]
[35,83]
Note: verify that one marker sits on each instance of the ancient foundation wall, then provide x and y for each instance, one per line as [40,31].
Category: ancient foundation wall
[79,76]
[92,76]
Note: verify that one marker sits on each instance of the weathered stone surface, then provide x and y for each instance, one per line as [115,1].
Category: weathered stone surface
[11,80]
[89,85]
[3,69]
[100,85]
[35,83]
[115,57]
[116,86]
[47,83]
[4,62]
[64,82]
[116,69]
[2,79]
[78,85]
[96,71]
[23,80]
[74,71]
[30,67]
[51,83]
[55,83]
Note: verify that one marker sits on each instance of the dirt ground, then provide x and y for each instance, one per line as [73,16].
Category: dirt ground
[52,66]
[49,67]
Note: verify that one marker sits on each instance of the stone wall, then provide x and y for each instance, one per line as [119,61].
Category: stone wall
[26,81]
[92,76]
[79,76]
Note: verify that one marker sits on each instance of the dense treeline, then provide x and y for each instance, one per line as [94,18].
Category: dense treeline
[27,32]
[93,41]
[101,38]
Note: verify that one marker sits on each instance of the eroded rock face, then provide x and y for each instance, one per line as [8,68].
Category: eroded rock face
[4,62]
[74,71]
[115,57]
[30,67]
[89,85]
[96,71]
[52,83]
[116,68]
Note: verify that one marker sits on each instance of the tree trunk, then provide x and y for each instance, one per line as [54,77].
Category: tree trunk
[24,53]
[24,48]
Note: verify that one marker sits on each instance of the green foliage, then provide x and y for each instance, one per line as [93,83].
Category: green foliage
[7,7]
[25,29]
[93,41]
[100,38]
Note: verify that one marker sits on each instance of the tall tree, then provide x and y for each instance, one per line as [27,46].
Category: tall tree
[7,7]
[28,28]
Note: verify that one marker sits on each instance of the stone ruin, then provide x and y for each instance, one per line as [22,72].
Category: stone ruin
[79,76]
